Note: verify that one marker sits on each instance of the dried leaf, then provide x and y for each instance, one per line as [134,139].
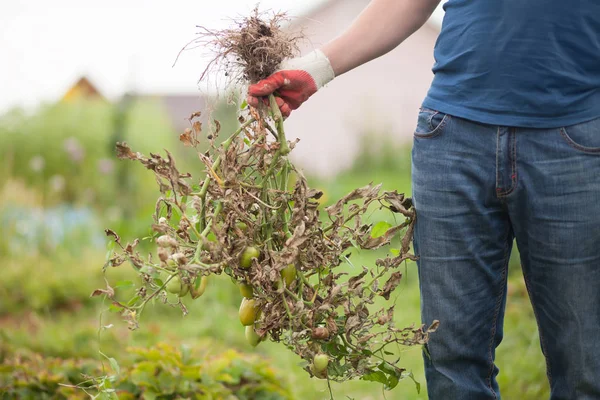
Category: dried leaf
[187,138]
[391,284]
[112,233]
[124,152]
[109,292]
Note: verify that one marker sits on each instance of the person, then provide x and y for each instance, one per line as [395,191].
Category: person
[507,145]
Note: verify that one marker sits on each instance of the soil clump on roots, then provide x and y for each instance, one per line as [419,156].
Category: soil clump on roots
[250,51]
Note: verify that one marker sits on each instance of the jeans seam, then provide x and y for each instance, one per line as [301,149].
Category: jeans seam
[513,176]
[436,132]
[497,311]
[498,160]
[577,146]
[542,340]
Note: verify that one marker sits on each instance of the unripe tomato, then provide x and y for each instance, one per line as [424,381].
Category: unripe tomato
[242,226]
[248,254]
[184,290]
[251,336]
[195,293]
[246,290]
[248,312]
[320,362]
[289,274]
[174,285]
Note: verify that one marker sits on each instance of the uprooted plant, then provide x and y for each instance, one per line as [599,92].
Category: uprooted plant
[254,218]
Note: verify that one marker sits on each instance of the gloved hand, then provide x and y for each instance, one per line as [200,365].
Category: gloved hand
[296,80]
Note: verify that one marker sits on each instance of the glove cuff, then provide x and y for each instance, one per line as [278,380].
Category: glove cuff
[315,63]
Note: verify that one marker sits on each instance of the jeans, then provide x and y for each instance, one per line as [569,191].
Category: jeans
[476,188]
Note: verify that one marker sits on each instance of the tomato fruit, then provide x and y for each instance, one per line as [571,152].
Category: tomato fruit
[248,311]
[246,290]
[320,362]
[197,292]
[248,254]
[174,285]
[251,336]
[184,290]
[289,274]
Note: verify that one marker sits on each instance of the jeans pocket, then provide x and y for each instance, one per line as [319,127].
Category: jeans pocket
[584,137]
[430,123]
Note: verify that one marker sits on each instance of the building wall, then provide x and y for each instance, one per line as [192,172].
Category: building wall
[379,98]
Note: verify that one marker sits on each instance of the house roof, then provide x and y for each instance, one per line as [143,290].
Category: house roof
[82,89]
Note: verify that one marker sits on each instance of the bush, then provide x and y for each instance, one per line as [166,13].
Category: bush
[50,282]
[160,372]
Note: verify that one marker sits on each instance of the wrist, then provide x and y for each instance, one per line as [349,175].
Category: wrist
[315,63]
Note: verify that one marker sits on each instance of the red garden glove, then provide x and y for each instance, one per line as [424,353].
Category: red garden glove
[296,80]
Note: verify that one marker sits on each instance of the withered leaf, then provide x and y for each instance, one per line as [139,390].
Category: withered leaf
[110,232]
[196,114]
[314,194]
[109,292]
[434,326]
[391,284]
[398,203]
[365,193]
[197,127]
[187,138]
[369,242]
[352,323]
[356,281]
[116,261]
[124,152]
[131,246]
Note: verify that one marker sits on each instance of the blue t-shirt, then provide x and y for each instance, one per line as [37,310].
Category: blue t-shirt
[523,63]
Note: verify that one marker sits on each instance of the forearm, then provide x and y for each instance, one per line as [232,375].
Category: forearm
[382,26]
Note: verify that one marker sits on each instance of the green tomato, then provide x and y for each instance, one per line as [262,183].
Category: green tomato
[174,285]
[251,336]
[184,290]
[248,312]
[246,290]
[248,254]
[197,292]
[289,274]
[320,362]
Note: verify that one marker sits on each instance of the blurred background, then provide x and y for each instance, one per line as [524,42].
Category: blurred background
[75,78]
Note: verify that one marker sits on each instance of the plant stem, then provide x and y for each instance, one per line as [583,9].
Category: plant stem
[287,308]
[216,165]
[147,299]
[206,230]
[278,118]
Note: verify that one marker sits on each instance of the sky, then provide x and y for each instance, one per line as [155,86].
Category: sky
[120,45]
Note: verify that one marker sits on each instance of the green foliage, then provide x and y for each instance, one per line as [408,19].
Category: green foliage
[159,372]
[50,282]
[64,153]
[27,376]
